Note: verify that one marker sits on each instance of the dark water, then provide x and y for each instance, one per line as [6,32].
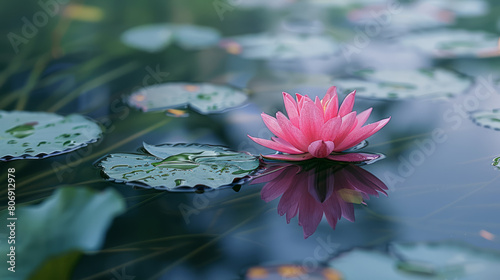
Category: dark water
[441,185]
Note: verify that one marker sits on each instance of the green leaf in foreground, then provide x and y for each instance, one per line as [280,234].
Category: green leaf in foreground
[70,222]
[178,167]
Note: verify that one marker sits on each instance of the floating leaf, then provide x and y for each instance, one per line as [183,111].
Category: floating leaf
[203,98]
[71,220]
[449,43]
[488,119]
[178,167]
[404,84]
[419,261]
[283,46]
[496,162]
[156,37]
[38,135]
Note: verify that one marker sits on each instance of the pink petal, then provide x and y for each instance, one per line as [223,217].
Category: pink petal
[353,157]
[310,214]
[332,106]
[300,157]
[285,143]
[332,91]
[363,117]
[361,134]
[275,146]
[348,123]
[347,104]
[272,124]
[330,129]
[320,148]
[311,121]
[291,133]
[317,102]
[291,108]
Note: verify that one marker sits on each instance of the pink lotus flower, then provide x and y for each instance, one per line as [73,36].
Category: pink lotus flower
[316,188]
[319,129]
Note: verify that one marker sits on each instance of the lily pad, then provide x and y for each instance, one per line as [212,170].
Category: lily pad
[450,43]
[283,46]
[419,261]
[488,119]
[71,220]
[156,37]
[203,98]
[37,135]
[406,84]
[180,167]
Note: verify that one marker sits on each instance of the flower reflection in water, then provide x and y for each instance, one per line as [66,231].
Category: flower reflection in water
[318,186]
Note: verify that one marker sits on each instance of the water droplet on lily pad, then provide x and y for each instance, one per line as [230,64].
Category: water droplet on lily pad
[180,167]
[43,134]
[406,84]
[450,43]
[156,37]
[204,98]
[488,119]
[282,46]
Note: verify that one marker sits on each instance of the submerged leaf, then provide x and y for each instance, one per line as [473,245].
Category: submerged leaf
[177,167]
[71,220]
[203,98]
[156,37]
[405,84]
[38,135]
[488,119]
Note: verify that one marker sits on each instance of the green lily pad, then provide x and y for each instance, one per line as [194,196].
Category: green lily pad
[203,98]
[180,167]
[406,84]
[419,261]
[488,119]
[450,43]
[281,46]
[156,37]
[39,135]
[72,220]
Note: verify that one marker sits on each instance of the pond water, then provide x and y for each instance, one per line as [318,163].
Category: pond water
[438,166]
